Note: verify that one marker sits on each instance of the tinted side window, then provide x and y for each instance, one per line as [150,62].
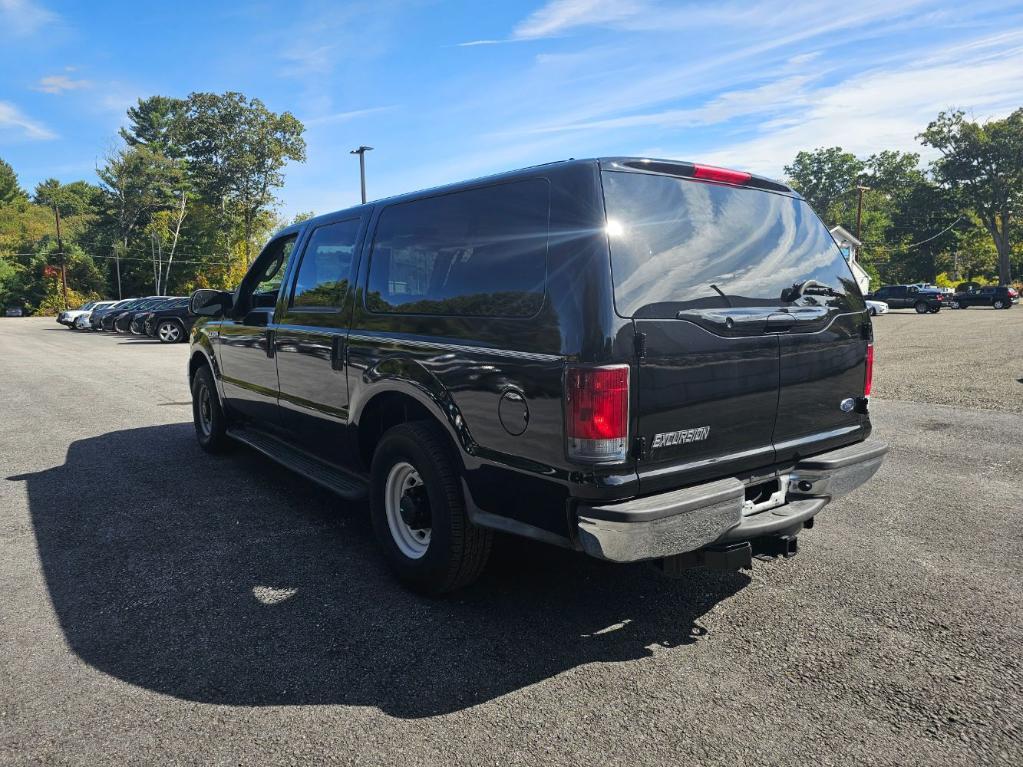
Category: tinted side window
[482,252]
[326,265]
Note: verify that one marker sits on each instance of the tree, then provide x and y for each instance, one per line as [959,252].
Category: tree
[824,177]
[985,163]
[155,122]
[236,151]
[138,181]
[10,191]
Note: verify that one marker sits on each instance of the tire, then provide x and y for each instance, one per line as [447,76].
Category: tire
[921,307]
[169,332]
[935,310]
[873,312]
[415,462]
[207,413]
[999,304]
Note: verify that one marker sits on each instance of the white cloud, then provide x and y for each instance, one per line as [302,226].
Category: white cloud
[886,108]
[22,18]
[785,93]
[343,117]
[13,121]
[559,16]
[59,84]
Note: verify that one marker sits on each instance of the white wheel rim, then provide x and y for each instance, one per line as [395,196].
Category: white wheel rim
[412,542]
[169,332]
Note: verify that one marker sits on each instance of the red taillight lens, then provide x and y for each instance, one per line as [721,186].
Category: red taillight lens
[868,379]
[597,410]
[710,173]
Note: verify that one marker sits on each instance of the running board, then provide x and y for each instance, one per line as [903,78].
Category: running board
[349,486]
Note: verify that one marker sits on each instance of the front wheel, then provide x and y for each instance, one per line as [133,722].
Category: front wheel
[169,332]
[418,511]
[873,312]
[207,414]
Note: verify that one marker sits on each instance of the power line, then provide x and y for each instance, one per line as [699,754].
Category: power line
[145,260]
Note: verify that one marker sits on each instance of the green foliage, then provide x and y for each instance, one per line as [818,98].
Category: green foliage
[985,164]
[824,177]
[236,151]
[155,123]
[10,190]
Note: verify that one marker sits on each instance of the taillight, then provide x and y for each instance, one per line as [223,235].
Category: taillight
[868,378]
[710,173]
[597,412]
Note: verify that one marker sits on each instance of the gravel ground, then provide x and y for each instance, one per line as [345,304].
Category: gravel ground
[162,606]
[964,358]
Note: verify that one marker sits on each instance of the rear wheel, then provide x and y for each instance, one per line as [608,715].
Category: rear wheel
[999,303]
[169,332]
[921,307]
[418,511]
[207,414]
[873,312]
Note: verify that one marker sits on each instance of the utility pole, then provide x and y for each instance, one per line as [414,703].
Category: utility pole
[60,249]
[117,262]
[860,189]
[361,151]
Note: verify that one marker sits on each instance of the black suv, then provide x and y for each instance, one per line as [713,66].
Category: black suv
[910,297]
[170,323]
[997,296]
[639,359]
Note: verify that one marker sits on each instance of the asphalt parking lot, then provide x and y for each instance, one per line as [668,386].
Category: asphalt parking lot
[163,606]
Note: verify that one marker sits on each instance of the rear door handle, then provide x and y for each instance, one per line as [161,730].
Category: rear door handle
[779,322]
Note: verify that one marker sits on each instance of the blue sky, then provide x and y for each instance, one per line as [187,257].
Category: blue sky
[450,90]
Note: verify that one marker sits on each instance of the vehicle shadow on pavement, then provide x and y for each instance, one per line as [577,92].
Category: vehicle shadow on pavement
[229,580]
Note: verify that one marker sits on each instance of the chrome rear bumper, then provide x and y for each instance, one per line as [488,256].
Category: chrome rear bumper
[686,520]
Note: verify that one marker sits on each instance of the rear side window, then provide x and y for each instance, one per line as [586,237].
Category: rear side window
[326,266]
[481,252]
[678,244]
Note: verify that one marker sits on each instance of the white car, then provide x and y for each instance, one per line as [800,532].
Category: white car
[877,307]
[79,318]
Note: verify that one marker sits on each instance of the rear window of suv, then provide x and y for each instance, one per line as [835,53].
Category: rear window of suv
[679,244]
[480,252]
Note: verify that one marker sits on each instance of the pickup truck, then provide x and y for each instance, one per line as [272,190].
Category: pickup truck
[910,297]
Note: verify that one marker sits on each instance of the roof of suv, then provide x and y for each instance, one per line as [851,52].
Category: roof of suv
[633,164]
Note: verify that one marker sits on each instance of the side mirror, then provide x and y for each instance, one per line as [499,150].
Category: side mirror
[210,303]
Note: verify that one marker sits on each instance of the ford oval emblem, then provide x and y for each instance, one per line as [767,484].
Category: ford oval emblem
[847,405]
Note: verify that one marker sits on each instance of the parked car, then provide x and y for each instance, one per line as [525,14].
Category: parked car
[171,323]
[68,316]
[996,296]
[82,319]
[14,311]
[122,323]
[98,315]
[110,318]
[876,307]
[909,297]
[682,379]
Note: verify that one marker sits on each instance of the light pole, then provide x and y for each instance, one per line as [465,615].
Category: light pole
[361,151]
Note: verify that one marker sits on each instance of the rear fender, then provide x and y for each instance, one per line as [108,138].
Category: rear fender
[405,375]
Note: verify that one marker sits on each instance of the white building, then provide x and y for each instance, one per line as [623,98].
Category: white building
[849,245]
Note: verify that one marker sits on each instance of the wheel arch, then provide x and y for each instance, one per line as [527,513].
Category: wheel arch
[393,400]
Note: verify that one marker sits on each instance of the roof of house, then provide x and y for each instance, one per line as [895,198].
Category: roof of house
[841,233]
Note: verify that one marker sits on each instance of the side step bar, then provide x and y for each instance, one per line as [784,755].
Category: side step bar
[349,486]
